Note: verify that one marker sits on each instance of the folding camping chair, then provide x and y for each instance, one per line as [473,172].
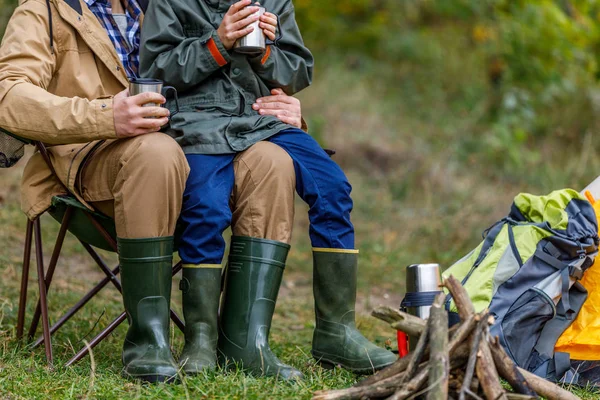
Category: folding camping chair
[92,229]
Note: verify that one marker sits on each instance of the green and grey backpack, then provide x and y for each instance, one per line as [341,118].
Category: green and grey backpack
[526,271]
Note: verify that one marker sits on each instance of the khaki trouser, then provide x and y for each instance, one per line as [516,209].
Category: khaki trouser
[140,183]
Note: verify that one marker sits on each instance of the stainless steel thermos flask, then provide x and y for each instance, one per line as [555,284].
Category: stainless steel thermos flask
[423,283]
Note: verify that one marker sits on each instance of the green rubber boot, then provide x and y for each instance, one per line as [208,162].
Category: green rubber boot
[201,288]
[146,280]
[253,277]
[336,341]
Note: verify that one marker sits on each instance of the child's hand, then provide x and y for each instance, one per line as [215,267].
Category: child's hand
[236,23]
[268,23]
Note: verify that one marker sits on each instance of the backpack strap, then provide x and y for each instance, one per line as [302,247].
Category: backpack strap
[564,273]
[553,329]
[490,237]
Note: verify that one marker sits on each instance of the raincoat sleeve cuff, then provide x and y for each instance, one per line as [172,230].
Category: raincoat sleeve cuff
[218,52]
[259,62]
[105,120]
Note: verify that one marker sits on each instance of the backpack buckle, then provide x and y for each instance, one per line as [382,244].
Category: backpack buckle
[576,272]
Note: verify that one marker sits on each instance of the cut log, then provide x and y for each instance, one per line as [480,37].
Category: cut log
[462,332]
[460,297]
[509,371]
[547,389]
[391,315]
[487,373]
[439,363]
[417,356]
[383,388]
[469,372]
[412,386]
[457,360]
[396,368]
[517,396]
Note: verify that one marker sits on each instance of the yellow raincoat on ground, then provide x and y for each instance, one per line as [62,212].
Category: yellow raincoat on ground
[582,339]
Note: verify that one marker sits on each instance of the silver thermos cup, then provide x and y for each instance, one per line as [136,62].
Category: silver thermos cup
[254,43]
[141,85]
[423,283]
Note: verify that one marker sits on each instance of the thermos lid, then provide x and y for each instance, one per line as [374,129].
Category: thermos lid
[423,278]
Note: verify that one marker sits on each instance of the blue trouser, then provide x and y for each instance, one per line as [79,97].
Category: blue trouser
[320,182]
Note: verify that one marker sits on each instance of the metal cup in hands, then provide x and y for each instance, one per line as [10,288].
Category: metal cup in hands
[139,85]
[255,43]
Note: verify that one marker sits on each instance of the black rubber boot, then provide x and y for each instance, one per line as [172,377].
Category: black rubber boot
[146,280]
[201,288]
[253,278]
[336,341]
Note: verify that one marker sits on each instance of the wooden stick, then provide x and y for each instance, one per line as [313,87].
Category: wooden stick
[392,315]
[516,396]
[460,297]
[508,370]
[412,386]
[459,333]
[408,390]
[383,388]
[393,370]
[545,388]
[417,355]
[462,332]
[475,339]
[438,360]
[387,386]
[487,373]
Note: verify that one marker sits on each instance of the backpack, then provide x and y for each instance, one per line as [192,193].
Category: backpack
[526,271]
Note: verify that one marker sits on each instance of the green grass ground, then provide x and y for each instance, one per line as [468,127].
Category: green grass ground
[429,176]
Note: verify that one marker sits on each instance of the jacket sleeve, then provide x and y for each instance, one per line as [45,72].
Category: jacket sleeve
[27,66]
[289,65]
[170,54]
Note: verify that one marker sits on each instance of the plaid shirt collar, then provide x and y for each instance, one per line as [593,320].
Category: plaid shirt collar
[129,55]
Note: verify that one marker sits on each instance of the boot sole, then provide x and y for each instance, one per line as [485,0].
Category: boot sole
[331,364]
[153,378]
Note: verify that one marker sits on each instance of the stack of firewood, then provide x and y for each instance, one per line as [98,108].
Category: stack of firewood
[463,362]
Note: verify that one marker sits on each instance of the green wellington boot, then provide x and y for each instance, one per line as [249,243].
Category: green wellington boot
[336,341]
[201,288]
[146,280]
[253,277]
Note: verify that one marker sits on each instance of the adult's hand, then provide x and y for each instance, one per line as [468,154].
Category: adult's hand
[236,23]
[286,108]
[132,119]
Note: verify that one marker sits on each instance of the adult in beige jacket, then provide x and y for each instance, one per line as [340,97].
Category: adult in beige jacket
[62,83]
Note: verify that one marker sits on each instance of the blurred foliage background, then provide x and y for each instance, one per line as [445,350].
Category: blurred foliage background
[441,111]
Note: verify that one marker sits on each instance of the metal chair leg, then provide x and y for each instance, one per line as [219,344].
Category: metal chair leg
[100,337]
[174,317]
[112,275]
[24,280]
[112,242]
[52,267]
[76,307]
[39,255]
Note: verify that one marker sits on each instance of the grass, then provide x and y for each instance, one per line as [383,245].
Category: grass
[430,172]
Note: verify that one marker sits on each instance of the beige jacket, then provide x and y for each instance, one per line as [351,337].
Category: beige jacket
[61,95]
